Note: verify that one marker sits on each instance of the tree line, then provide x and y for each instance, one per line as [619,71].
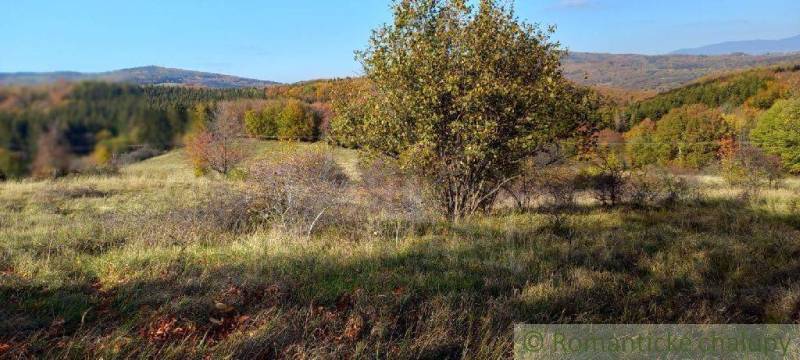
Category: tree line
[98,120]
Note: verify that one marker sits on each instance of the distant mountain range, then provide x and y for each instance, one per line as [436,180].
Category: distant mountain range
[147,75]
[751,47]
[624,71]
[659,73]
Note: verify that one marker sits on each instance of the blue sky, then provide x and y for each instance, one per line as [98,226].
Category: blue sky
[292,40]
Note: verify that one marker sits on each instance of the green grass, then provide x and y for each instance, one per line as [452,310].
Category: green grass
[92,267]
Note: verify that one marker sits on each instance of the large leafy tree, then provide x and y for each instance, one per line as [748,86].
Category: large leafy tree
[462,94]
[778,132]
[690,136]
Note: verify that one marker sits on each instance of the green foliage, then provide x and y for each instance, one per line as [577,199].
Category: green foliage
[639,144]
[12,164]
[284,120]
[263,123]
[351,101]
[778,132]
[690,136]
[765,98]
[461,96]
[731,91]
[155,116]
[297,121]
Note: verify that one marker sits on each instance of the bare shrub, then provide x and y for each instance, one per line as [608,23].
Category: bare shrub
[87,166]
[224,210]
[139,154]
[60,192]
[607,187]
[560,186]
[648,187]
[303,190]
[525,190]
[393,199]
[750,168]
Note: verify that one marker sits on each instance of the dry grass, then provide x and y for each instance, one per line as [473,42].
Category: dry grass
[138,265]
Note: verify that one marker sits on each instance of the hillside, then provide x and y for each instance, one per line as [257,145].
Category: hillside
[743,118]
[625,71]
[659,73]
[752,47]
[147,75]
[151,263]
[758,89]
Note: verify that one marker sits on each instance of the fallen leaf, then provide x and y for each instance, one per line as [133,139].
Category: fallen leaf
[354,327]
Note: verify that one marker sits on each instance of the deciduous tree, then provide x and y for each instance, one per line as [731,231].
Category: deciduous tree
[462,94]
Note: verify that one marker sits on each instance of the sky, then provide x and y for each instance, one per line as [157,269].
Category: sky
[294,40]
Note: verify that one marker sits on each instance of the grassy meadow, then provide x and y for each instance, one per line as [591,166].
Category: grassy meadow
[130,266]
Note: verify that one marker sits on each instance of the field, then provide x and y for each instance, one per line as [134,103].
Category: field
[98,266]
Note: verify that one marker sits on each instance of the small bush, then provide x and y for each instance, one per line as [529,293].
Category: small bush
[606,179]
[224,210]
[525,190]
[301,191]
[647,188]
[751,169]
[560,186]
[393,199]
[139,154]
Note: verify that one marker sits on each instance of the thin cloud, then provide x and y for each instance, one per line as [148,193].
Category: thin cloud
[574,4]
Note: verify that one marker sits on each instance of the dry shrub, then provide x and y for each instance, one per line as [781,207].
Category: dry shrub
[750,168]
[224,210]
[139,154]
[525,190]
[88,167]
[304,190]
[60,192]
[393,199]
[654,188]
[560,186]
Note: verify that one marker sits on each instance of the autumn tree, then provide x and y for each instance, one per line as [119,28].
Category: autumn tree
[297,121]
[690,136]
[52,155]
[639,144]
[219,146]
[461,95]
[263,123]
[778,132]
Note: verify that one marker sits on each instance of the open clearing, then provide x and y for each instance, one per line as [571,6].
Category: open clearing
[99,266]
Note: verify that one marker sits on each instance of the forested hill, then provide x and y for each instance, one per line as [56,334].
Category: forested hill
[754,112]
[659,73]
[147,75]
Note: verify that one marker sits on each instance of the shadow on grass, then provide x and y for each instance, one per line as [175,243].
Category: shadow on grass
[451,291]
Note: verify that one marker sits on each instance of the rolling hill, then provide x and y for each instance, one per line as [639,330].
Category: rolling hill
[659,73]
[751,47]
[147,75]
[624,71]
